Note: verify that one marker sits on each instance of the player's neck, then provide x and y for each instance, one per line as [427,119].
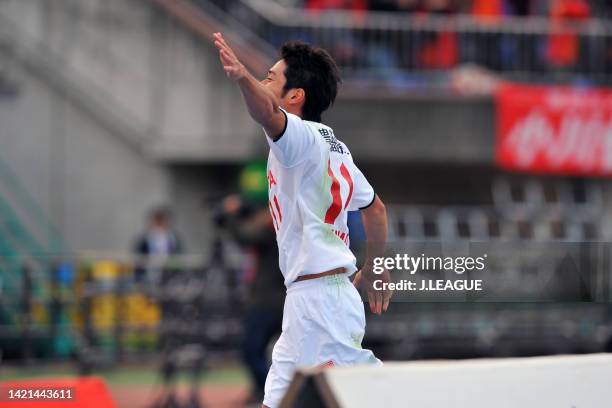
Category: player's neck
[293,110]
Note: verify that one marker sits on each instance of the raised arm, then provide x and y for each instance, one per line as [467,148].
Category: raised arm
[375,224]
[262,105]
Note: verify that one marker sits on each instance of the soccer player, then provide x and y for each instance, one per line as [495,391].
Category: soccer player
[312,183]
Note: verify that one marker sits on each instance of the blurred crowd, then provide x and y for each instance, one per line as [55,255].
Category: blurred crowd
[478,8]
[561,52]
[468,56]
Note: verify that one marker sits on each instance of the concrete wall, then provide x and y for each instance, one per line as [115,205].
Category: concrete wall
[167,83]
[433,129]
[109,91]
[196,192]
[93,186]
[151,71]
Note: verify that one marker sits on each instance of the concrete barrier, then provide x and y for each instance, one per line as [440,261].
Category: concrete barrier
[581,381]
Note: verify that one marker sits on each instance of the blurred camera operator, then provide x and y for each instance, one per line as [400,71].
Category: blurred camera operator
[247,218]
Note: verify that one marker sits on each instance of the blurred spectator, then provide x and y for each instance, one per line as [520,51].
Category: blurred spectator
[487,11]
[501,49]
[441,52]
[250,224]
[395,5]
[519,7]
[439,6]
[158,241]
[322,5]
[563,47]
[405,53]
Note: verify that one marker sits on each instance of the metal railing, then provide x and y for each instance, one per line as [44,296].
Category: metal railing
[118,306]
[110,308]
[16,200]
[411,50]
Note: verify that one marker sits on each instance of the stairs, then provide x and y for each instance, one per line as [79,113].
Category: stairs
[28,244]
[48,62]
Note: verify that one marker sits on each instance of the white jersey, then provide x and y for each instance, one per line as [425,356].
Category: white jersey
[312,183]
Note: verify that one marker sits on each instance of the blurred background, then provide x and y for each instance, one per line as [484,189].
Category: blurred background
[135,238]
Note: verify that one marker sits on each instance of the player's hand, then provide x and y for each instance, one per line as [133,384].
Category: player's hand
[231,65]
[378,299]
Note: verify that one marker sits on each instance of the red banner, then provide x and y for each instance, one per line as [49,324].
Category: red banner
[554,130]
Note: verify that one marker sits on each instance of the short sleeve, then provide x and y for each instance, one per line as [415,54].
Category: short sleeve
[363,193]
[294,143]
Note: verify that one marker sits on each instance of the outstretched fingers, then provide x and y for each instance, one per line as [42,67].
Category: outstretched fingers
[387,299]
[372,301]
[378,300]
[226,59]
[221,44]
[224,51]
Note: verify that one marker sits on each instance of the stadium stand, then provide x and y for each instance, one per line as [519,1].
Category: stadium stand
[415,44]
[137,81]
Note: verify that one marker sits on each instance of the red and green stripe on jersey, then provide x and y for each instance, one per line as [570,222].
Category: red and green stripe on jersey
[335,207]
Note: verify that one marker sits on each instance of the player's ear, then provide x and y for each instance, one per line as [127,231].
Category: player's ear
[298,96]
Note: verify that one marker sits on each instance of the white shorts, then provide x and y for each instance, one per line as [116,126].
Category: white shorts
[323,325]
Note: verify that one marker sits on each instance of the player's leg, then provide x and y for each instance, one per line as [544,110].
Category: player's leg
[280,373]
[355,328]
[287,350]
[323,325]
[342,328]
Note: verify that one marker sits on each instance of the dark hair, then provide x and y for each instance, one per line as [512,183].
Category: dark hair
[313,70]
[161,213]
